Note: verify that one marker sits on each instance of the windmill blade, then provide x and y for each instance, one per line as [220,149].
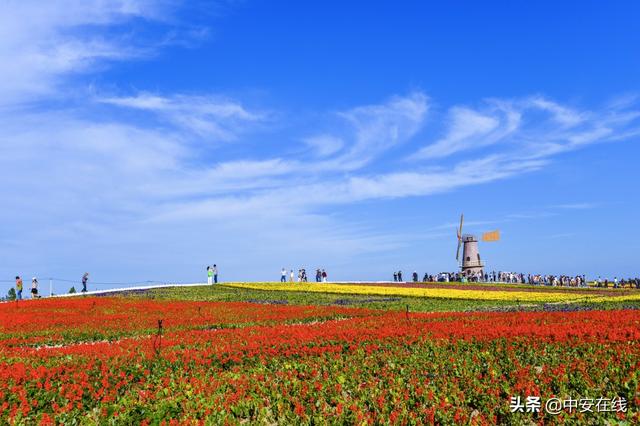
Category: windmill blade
[459,232]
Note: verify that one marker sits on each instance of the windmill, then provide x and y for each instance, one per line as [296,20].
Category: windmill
[471,262]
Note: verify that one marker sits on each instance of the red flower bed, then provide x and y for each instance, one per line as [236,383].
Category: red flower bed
[86,359]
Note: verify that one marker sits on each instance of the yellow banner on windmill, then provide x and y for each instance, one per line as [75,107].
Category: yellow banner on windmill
[491,236]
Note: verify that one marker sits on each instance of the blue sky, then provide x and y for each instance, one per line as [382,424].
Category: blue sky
[143,140]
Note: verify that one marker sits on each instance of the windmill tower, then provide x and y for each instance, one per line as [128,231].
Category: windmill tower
[471,262]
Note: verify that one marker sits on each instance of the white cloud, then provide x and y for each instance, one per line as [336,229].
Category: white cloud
[533,215]
[41,43]
[558,236]
[521,131]
[468,129]
[221,179]
[282,186]
[575,206]
[209,116]
[468,173]
[561,114]
[291,187]
[381,127]
[324,145]
[468,223]
[372,131]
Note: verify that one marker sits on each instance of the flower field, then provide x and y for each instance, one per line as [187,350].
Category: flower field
[107,361]
[451,291]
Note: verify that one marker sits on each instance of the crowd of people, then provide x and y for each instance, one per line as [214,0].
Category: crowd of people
[520,278]
[321,275]
[622,283]
[34,286]
[481,277]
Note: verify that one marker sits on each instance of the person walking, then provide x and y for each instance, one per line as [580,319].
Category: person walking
[18,288]
[34,288]
[215,273]
[209,275]
[324,276]
[415,276]
[283,276]
[400,276]
[85,278]
[291,276]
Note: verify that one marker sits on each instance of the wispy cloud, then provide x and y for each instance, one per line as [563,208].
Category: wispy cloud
[469,223]
[211,116]
[303,186]
[558,236]
[157,174]
[324,145]
[559,113]
[575,206]
[44,42]
[470,129]
[530,128]
[531,215]
[466,173]
[380,127]
[373,130]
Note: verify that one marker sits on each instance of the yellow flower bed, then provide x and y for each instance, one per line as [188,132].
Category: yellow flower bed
[622,298]
[434,293]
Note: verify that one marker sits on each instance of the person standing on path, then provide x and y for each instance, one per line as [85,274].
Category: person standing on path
[215,273]
[291,276]
[283,276]
[324,276]
[18,288]
[85,278]
[209,275]
[34,288]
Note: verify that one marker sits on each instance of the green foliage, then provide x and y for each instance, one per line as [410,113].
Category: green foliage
[221,293]
[72,290]
[11,295]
